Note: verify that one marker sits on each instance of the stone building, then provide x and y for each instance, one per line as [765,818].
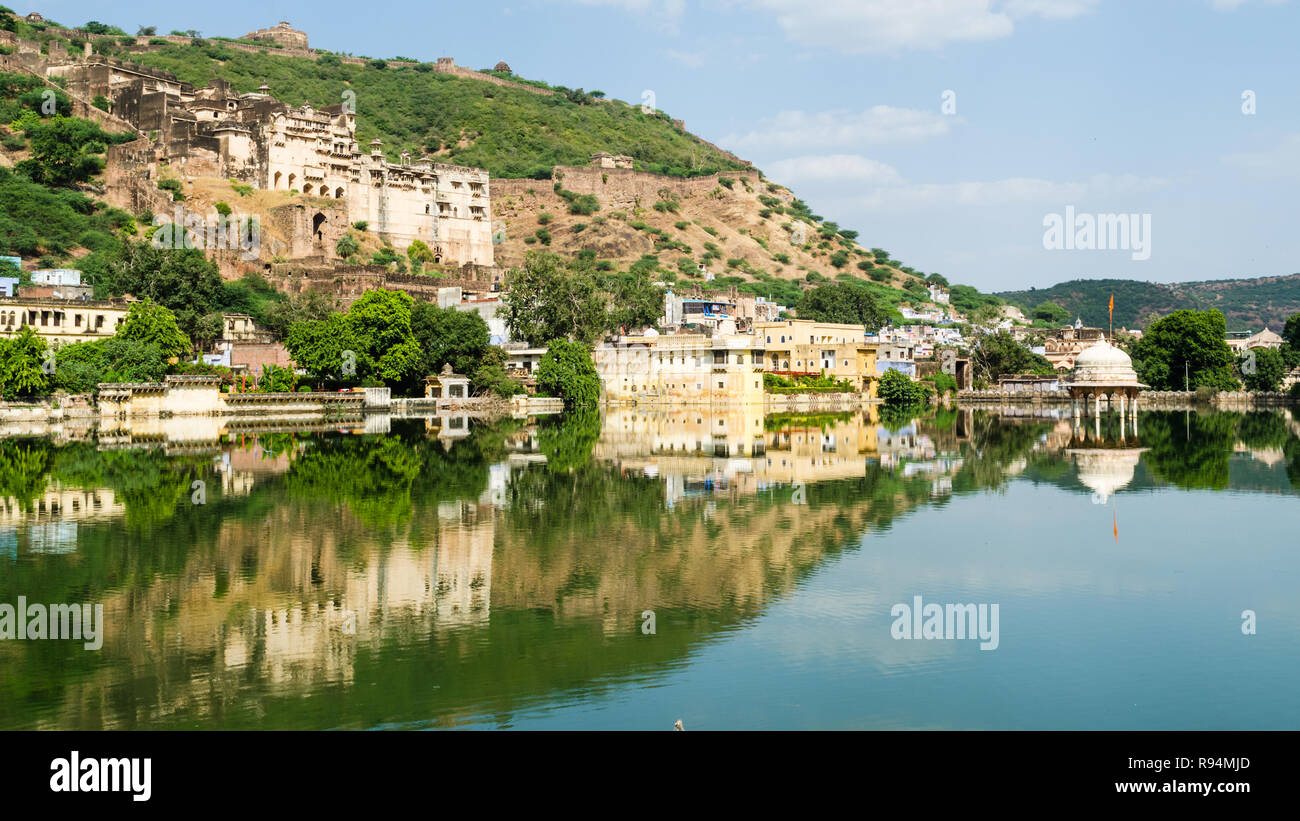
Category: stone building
[681,368]
[62,321]
[283,34]
[798,347]
[257,140]
[603,159]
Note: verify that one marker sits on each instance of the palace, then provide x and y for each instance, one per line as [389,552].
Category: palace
[255,139]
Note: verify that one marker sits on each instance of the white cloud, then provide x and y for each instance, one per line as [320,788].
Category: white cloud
[833,167]
[891,26]
[1281,161]
[829,129]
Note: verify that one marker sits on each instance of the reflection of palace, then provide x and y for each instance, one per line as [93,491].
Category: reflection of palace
[730,448]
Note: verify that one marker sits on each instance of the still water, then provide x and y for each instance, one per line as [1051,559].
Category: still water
[630,569]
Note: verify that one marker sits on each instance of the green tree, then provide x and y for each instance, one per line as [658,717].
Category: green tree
[183,280]
[636,301]
[567,371]
[546,299]
[446,335]
[151,323]
[23,365]
[347,246]
[1266,371]
[1051,312]
[371,342]
[844,302]
[1185,342]
[490,376]
[896,388]
[999,353]
[59,154]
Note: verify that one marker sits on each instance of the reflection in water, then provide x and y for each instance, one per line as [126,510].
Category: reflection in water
[446,572]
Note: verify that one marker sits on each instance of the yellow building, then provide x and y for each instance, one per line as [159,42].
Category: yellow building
[62,321]
[803,346]
[690,368]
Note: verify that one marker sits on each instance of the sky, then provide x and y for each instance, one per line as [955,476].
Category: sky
[948,132]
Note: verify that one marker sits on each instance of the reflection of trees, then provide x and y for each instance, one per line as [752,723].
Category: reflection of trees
[1263,430]
[1189,450]
[377,476]
[567,440]
[995,444]
[22,470]
[897,417]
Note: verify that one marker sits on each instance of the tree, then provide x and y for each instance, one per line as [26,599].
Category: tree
[347,246]
[636,301]
[1185,342]
[547,300]
[1291,349]
[371,342]
[1265,372]
[997,354]
[1051,312]
[446,335]
[151,323]
[57,156]
[303,307]
[419,253]
[896,388]
[567,371]
[842,302]
[23,365]
[491,377]
[183,280]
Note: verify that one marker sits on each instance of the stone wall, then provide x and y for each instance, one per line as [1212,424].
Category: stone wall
[618,187]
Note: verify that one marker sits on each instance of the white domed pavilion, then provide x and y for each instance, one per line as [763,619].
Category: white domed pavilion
[1104,370]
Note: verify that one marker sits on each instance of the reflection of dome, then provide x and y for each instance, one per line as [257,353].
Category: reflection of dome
[1104,365]
[1106,471]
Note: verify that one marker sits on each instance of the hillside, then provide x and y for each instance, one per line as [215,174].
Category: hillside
[509,131]
[747,231]
[1248,304]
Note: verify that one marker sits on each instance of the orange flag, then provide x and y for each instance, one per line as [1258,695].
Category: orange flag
[1112,306]
[1115,524]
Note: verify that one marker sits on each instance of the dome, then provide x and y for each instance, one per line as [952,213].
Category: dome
[1104,364]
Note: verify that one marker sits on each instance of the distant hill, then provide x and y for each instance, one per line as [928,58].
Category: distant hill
[1248,304]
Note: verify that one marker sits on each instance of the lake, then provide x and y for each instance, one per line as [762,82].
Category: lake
[626,569]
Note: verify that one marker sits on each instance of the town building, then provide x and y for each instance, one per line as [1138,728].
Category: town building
[62,321]
[1263,339]
[689,368]
[799,347]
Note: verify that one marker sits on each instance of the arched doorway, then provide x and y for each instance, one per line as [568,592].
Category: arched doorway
[318,222]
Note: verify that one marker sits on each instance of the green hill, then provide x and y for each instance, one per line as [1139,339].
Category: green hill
[509,131]
[1248,304]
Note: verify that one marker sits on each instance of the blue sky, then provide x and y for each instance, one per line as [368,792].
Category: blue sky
[1109,106]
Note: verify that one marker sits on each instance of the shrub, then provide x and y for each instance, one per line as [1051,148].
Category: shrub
[897,389]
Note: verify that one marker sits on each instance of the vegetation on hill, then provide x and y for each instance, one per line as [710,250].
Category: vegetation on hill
[1247,304]
[509,131]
